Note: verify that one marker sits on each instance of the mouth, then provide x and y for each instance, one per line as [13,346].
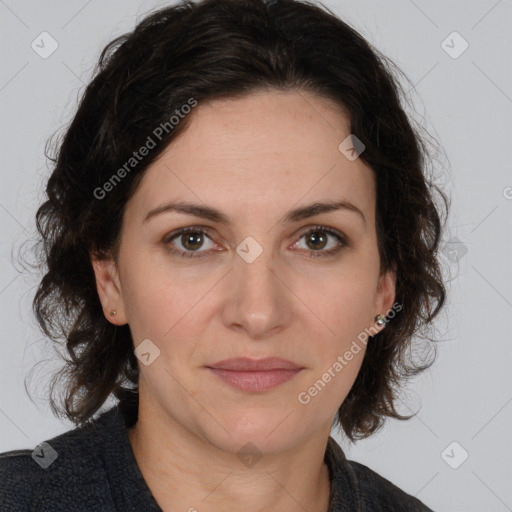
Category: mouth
[253,375]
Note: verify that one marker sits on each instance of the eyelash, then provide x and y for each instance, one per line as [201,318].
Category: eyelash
[313,254]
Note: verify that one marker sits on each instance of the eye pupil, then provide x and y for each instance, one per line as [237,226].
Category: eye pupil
[189,242]
[315,237]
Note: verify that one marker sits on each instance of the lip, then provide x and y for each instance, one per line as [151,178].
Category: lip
[246,364]
[254,381]
[253,375]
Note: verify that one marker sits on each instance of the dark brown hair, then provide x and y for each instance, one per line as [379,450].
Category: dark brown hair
[229,48]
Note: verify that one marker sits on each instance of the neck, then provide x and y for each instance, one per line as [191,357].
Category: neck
[186,472]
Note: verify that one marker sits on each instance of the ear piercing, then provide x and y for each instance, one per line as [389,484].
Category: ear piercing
[380,320]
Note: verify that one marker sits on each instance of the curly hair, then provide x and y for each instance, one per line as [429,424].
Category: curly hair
[225,49]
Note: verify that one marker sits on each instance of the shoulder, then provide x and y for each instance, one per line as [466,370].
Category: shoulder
[379,494]
[357,487]
[67,469]
[18,479]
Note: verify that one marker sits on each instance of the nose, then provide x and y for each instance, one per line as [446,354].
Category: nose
[258,301]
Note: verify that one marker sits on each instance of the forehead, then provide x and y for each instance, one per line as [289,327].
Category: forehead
[264,152]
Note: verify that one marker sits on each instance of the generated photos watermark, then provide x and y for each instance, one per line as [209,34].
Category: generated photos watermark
[137,156]
[304,397]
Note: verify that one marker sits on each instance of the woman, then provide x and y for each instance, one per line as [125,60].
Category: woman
[240,242]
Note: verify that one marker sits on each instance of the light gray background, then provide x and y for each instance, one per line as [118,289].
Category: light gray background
[467,104]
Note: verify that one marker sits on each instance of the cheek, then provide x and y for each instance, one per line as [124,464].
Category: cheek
[168,308]
[154,300]
[328,385]
[343,307]
[348,313]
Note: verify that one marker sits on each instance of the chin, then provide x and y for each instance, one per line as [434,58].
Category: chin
[267,430]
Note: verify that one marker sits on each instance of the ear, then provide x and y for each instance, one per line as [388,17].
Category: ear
[385,295]
[109,289]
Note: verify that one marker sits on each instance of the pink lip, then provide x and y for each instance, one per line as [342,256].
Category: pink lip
[255,375]
[247,364]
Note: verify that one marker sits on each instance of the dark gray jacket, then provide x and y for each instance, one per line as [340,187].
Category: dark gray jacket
[95,471]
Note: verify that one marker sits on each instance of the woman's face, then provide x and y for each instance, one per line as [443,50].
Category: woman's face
[248,286]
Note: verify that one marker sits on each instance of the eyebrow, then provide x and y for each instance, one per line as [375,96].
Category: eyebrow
[214,215]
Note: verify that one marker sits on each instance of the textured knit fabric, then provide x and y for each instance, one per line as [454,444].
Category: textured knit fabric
[96,471]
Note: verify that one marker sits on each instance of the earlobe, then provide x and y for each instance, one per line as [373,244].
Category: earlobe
[386,293]
[109,290]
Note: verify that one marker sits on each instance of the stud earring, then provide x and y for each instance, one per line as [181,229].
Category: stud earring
[113,312]
[380,320]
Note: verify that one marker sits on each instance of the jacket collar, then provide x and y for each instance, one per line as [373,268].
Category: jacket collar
[344,495]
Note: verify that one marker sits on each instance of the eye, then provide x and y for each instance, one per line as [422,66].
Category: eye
[190,240]
[317,238]
[186,242]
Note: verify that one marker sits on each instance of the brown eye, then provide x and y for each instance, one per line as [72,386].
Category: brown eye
[192,240]
[318,238]
[186,242]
